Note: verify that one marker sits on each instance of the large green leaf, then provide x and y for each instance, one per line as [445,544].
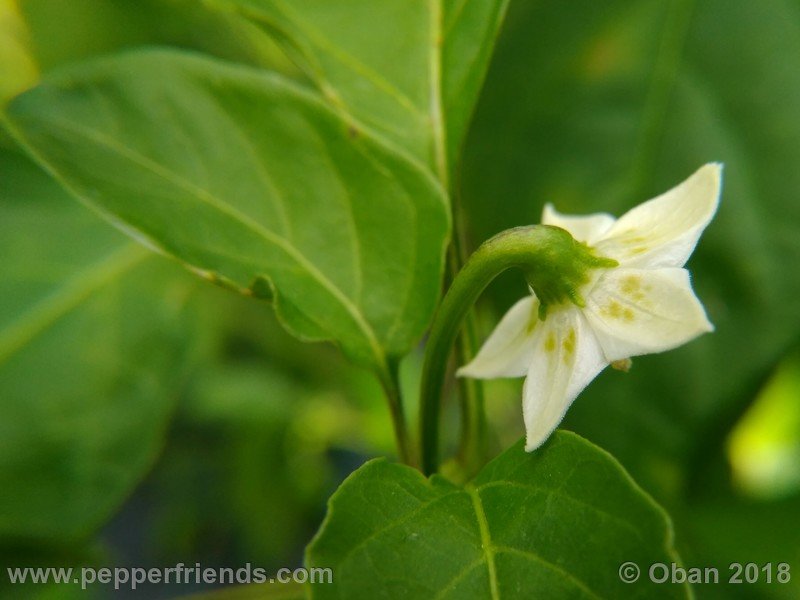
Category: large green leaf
[65,32]
[554,524]
[618,101]
[256,185]
[410,69]
[94,338]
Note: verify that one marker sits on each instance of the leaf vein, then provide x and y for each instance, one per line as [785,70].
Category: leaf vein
[349,60]
[486,540]
[564,495]
[550,565]
[383,529]
[61,302]
[267,235]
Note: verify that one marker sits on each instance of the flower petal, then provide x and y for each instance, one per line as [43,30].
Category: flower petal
[508,350]
[663,231]
[640,311]
[584,228]
[567,356]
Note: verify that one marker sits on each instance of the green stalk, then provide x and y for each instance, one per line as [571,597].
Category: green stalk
[390,381]
[472,446]
[553,263]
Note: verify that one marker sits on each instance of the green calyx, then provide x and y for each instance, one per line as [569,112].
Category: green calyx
[562,267]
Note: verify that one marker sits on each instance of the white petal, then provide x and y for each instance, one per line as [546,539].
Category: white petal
[567,356]
[663,231]
[508,350]
[641,311]
[584,228]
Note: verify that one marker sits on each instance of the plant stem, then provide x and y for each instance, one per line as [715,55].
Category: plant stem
[390,382]
[472,444]
[529,248]
[472,437]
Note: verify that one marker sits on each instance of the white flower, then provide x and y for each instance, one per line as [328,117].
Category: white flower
[644,305]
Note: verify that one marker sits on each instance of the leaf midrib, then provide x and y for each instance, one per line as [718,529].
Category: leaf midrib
[67,298]
[435,115]
[486,539]
[488,548]
[208,198]
[349,60]
[437,109]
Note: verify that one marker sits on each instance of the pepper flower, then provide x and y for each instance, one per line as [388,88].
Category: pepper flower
[635,299]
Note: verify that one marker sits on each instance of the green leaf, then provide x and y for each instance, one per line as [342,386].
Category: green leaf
[554,524]
[94,339]
[67,32]
[409,69]
[253,183]
[614,103]
[18,68]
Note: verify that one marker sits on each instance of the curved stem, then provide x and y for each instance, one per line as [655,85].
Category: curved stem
[472,437]
[473,442]
[390,382]
[529,248]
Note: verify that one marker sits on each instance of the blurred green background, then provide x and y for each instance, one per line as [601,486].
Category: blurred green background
[147,418]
